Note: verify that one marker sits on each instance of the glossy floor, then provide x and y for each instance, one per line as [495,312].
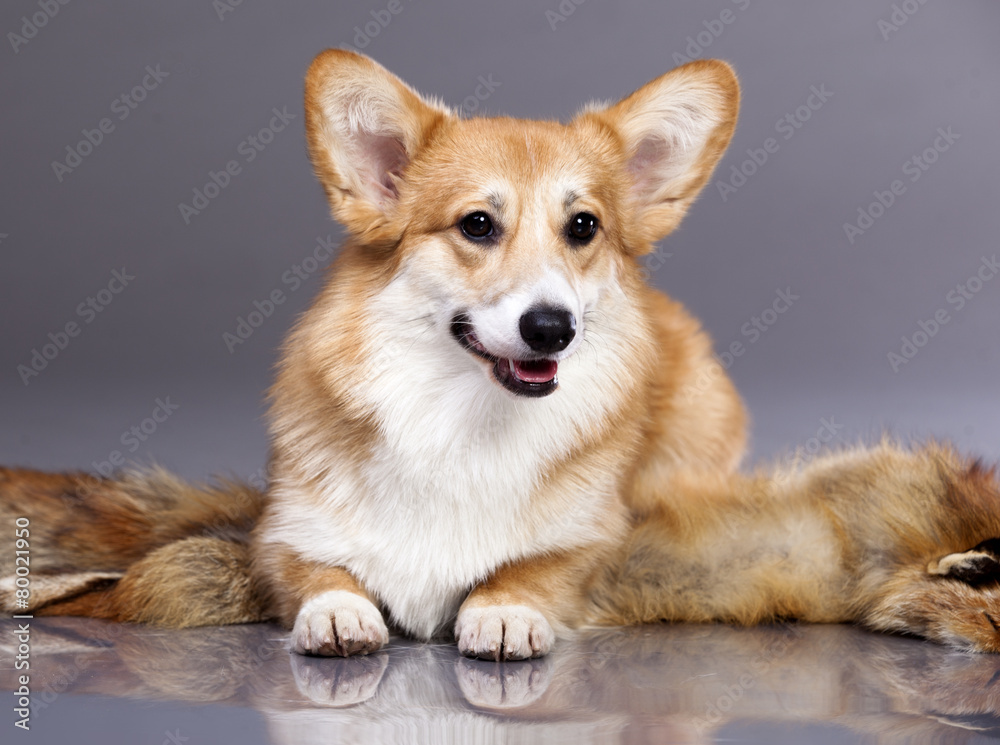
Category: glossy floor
[95,682]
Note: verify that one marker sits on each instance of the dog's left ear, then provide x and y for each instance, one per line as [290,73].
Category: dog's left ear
[673,130]
[364,126]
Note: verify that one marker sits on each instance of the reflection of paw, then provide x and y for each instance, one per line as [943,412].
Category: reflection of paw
[339,682]
[975,567]
[503,632]
[339,623]
[501,685]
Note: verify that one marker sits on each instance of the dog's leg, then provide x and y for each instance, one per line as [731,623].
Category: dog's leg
[330,613]
[511,615]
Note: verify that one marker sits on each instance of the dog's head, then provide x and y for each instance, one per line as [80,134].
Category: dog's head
[514,229]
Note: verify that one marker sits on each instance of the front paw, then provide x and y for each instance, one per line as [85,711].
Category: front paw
[339,624]
[503,632]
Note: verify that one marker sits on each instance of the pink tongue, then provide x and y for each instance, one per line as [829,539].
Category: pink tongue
[535,371]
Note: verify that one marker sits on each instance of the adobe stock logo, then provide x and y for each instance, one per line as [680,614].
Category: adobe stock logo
[484,89]
[122,107]
[133,437]
[249,148]
[958,298]
[381,18]
[914,167]
[292,278]
[60,339]
[752,331]
[787,126]
[714,28]
[222,7]
[48,9]
[563,11]
[900,16]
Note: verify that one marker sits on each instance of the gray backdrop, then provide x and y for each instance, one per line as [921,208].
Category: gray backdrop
[845,100]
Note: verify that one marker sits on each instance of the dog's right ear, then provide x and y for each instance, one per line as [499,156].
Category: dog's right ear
[673,130]
[364,125]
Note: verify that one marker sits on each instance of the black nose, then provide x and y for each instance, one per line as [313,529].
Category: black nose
[548,330]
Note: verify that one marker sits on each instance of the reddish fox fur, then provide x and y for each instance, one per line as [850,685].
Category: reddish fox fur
[489,424]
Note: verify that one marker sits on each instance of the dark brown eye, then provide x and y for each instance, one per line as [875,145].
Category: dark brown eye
[477,225]
[582,227]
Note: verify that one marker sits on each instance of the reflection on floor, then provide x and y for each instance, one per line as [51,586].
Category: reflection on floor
[657,684]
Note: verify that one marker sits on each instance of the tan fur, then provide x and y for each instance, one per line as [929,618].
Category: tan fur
[146,547]
[299,580]
[636,513]
[846,538]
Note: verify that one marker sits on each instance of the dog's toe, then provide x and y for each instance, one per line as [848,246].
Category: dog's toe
[339,623]
[503,632]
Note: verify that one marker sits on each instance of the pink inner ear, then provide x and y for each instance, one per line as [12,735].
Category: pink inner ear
[383,158]
[647,166]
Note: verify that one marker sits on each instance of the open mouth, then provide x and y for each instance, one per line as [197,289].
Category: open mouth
[534,378]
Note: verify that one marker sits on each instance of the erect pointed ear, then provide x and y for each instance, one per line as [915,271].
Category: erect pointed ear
[363,125]
[674,130]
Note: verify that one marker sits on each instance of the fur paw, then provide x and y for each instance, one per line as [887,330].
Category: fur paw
[979,566]
[503,632]
[339,682]
[339,624]
[503,686]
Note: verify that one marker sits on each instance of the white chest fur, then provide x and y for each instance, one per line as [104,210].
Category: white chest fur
[456,484]
[430,515]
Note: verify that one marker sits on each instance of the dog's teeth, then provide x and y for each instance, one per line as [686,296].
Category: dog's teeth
[513,369]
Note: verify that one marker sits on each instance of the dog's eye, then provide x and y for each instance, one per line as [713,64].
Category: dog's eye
[477,226]
[582,227]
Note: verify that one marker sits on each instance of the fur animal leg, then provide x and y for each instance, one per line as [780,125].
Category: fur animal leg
[330,613]
[511,615]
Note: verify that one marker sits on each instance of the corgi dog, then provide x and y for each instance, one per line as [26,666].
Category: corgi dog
[489,425]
